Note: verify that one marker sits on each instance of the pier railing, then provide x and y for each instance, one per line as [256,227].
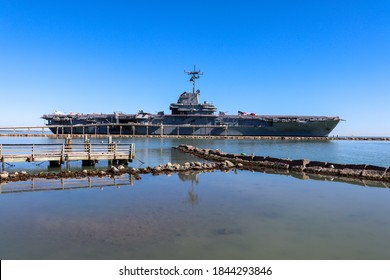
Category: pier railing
[66,152]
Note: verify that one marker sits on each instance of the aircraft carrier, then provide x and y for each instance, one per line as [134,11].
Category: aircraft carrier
[189,116]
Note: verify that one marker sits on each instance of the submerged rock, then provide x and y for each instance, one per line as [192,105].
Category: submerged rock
[4,175]
[114,169]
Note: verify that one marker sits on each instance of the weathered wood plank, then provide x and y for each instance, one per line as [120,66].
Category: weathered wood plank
[68,152]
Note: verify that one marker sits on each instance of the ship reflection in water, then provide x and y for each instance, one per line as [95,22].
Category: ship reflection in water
[193,177]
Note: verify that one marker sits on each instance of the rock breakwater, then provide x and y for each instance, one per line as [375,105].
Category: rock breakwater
[254,162]
[167,168]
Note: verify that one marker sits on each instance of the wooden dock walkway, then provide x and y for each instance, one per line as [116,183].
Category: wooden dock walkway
[57,154]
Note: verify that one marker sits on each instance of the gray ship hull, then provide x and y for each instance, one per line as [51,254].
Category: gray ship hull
[307,129]
[191,117]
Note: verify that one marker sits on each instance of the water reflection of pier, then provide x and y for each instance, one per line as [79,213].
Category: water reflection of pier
[39,184]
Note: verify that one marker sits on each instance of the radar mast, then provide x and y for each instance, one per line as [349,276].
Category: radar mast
[194,75]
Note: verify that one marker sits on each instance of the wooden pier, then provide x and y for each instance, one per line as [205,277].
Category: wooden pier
[57,154]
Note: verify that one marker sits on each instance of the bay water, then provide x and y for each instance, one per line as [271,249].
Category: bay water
[212,215]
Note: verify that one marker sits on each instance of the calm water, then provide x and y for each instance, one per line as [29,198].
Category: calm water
[235,215]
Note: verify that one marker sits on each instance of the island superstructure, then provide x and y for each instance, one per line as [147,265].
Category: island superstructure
[189,116]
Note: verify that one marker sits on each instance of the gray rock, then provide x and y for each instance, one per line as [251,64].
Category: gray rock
[4,175]
[157,169]
[373,174]
[229,163]
[351,172]
[177,166]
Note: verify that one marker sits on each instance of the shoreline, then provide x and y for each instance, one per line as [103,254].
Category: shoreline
[285,138]
[358,174]
[193,168]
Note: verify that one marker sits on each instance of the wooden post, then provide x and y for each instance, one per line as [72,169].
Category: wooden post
[111,147]
[131,152]
[68,143]
[62,153]
[87,147]
[1,157]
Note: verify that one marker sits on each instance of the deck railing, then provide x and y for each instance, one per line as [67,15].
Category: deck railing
[66,152]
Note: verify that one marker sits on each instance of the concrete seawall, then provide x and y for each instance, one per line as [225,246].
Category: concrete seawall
[359,171]
[286,138]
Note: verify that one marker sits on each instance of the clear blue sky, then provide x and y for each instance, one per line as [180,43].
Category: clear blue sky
[268,57]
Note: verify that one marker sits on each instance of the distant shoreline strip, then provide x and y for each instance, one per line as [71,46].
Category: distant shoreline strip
[288,138]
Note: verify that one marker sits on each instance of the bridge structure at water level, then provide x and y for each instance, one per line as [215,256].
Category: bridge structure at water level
[57,154]
[199,131]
